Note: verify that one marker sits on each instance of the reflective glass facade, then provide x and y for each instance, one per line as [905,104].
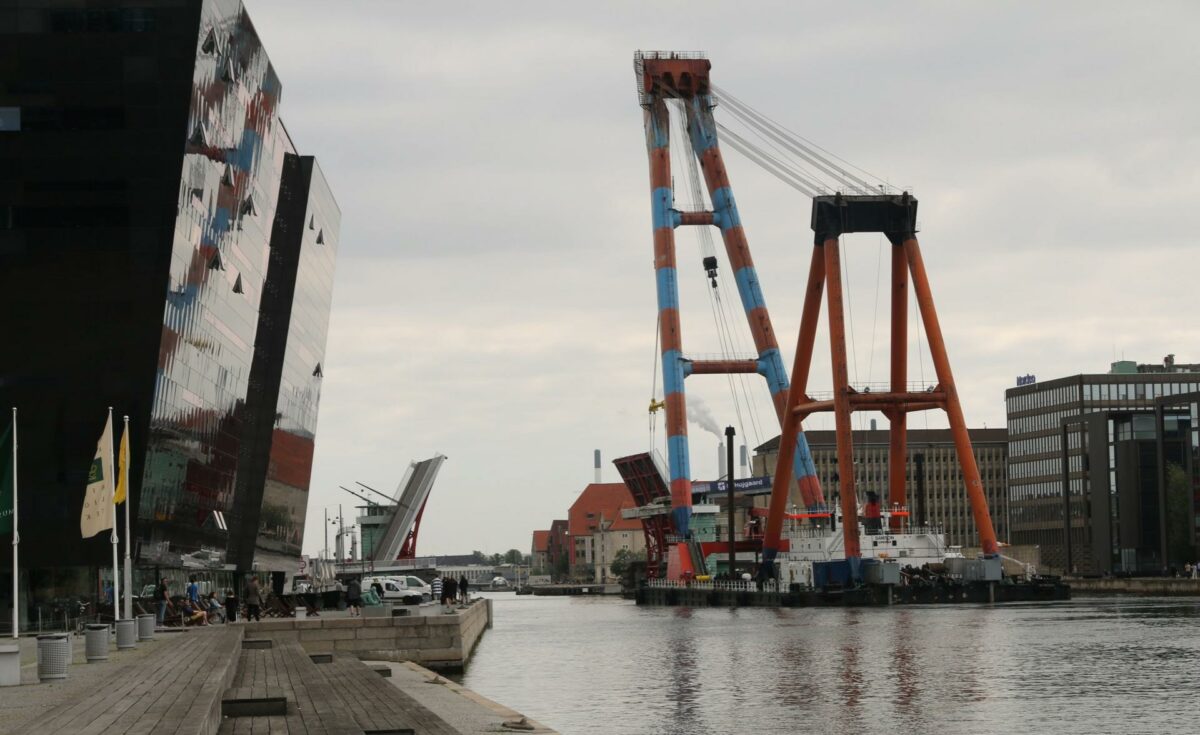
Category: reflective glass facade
[145,163]
[1113,466]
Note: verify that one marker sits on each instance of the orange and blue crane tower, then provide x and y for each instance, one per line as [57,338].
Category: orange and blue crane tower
[685,77]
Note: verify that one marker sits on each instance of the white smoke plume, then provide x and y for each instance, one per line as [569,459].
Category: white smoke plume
[700,415]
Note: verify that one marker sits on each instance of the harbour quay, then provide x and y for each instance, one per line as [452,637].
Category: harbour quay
[434,640]
[332,675]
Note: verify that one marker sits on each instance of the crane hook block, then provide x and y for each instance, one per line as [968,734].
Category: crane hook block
[710,268]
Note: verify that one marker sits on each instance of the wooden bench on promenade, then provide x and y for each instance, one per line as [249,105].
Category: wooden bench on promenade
[341,697]
[380,707]
[177,690]
[285,670]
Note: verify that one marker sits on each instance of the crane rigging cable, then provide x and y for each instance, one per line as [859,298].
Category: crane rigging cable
[726,336]
[800,140]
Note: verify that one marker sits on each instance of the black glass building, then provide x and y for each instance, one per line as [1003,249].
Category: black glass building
[1089,458]
[164,250]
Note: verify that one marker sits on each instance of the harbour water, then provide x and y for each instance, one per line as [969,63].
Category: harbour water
[604,665]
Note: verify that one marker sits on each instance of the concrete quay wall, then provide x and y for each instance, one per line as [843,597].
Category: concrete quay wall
[436,641]
[1150,586]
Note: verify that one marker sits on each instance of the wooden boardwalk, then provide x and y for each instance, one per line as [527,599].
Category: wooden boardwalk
[340,698]
[178,691]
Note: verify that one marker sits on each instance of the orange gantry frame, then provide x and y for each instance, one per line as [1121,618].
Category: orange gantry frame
[894,216]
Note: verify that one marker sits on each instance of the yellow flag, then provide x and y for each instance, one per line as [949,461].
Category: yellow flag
[122,468]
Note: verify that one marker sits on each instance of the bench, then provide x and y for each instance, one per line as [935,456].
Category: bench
[286,671]
[382,708]
[177,690]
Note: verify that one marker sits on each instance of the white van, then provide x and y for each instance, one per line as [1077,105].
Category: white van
[407,589]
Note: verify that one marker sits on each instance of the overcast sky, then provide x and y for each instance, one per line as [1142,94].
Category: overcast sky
[494,298]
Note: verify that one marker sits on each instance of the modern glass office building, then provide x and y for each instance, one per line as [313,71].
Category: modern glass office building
[1107,492]
[167,251]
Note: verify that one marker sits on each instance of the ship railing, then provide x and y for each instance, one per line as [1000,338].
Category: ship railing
[722,585]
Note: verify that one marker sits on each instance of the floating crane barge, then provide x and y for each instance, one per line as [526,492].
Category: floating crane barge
[878,562]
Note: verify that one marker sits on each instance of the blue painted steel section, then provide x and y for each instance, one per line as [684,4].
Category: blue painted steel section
[802,450]
[723,203]
[667,282]
[672,367]
[770,366]
[683,520]
[749,289]
[677,457]
[687,367]
[657,130]
[702,128]
[660,208]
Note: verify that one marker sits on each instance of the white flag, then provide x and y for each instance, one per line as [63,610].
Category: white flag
[98,502]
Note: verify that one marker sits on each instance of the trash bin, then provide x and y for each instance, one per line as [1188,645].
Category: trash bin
[301,611]
[231,607]
[96,642]
[10,665]
[145,627]
[127,633]
[53,656]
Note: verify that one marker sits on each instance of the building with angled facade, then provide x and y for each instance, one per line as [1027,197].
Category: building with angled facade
[165,249]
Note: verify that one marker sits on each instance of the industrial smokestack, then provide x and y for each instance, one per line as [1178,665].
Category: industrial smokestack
[872,424]
[745,461]
[722,470]
[596,454]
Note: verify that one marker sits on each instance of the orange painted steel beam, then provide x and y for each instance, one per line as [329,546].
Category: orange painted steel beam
[695,218]
[902,398]
[958,425]
[898,420]
[723,367]
[841,398]
[789,435]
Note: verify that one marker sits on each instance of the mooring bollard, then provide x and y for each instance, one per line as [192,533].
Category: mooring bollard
[96,642]
[53,656]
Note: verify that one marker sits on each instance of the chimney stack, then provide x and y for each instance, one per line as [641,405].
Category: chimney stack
[722,470]
[596,454]
[745,461]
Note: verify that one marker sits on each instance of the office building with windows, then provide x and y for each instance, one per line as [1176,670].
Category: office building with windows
[166,250]
[936,493]
[1101,506]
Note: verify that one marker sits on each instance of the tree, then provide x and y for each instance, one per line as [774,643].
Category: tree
[513,556]
[1179,516]
[621,560]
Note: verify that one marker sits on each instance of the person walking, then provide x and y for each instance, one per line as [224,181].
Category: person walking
[449,592]
[462,589]
[254,600]
[436,586]
[193,591]
[162,595]
[354,598]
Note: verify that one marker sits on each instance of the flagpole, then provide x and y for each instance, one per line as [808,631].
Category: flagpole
[16,622]
[115,539]
[128,578]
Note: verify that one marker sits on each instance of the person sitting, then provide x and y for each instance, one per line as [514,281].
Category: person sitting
[191,614]
[214,610]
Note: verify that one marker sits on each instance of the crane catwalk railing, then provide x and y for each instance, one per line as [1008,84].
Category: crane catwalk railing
[716,585]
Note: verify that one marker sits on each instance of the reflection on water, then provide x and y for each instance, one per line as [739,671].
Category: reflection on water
[601,665]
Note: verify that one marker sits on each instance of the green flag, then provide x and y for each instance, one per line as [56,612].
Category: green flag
[6,481]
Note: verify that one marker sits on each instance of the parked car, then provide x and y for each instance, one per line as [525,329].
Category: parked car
[399,589]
